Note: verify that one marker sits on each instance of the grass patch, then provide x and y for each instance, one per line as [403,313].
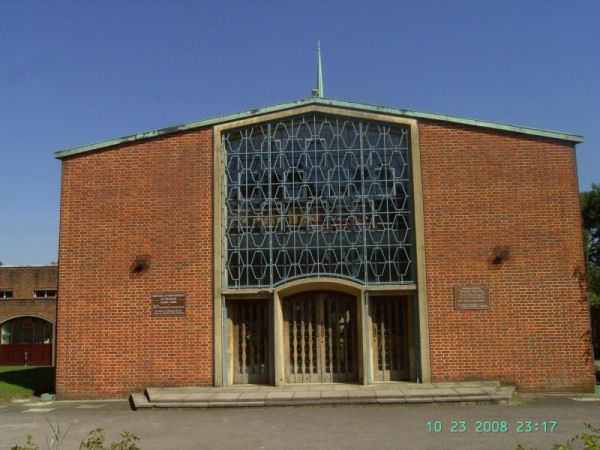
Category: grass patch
[19,381]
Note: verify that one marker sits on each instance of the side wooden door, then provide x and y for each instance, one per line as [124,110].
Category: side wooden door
[389,338]
[249,341]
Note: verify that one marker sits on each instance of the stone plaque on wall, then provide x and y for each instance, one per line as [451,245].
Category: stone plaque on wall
[168,305]
[471,297]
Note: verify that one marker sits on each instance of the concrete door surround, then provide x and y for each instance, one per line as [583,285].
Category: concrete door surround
[276,297]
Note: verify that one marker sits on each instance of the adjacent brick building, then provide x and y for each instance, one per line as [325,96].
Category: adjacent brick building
[27,314]
[322,241]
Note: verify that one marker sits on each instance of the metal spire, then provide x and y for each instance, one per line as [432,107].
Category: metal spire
[319,71]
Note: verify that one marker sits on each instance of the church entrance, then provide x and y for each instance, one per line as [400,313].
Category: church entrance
[320,338]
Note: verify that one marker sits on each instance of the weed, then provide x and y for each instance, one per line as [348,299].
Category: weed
[590,440]
[95,441]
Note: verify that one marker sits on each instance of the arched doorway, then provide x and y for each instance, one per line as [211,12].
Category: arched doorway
[320,337]
[26,341]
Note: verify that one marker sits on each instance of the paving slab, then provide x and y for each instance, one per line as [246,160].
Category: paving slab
[187,397]
[280,395]
[293,387]
[508,390]
[390,386]
[182,405]
[246,388]
[139,400]
[341,387]
[382,393]
[335,394]
[253,395]
[226,396]
[437,392]
[419,392]
[468,390]
[360,394]
[307,395]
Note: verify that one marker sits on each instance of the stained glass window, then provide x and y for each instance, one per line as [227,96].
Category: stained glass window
[317,195]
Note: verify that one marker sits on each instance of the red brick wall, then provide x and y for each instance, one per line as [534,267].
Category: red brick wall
[23,281]
[149,198]
[483,189]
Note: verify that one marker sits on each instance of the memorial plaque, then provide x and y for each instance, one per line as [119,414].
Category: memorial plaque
[471,297]
[168,305]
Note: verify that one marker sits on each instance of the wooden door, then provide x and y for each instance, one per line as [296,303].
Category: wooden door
[320,331]
[26,341]
[249,333]
[389,338]
[26,355]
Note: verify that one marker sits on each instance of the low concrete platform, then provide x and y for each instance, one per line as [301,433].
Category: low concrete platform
[321,394]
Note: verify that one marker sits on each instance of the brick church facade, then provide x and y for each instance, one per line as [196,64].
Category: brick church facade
[322,241]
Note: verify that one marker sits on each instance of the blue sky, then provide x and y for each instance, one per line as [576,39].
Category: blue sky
[73,73]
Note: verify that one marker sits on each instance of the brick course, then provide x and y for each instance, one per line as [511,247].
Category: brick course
[483,189]
[151,198]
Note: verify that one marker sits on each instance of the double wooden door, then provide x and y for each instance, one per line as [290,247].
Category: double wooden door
[320,338]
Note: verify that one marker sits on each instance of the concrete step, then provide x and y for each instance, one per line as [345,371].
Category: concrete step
[321,394]
[139,400]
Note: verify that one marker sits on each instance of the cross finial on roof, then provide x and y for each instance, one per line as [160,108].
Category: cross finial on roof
[319,91]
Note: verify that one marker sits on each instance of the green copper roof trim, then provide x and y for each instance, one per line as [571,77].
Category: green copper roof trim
[318,101]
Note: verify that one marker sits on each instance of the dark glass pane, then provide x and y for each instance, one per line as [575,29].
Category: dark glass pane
[38,335]
[16,332]
[48,333]
[27,330]
[5,333]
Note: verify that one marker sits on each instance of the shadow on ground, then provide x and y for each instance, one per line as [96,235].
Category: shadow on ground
[38,379]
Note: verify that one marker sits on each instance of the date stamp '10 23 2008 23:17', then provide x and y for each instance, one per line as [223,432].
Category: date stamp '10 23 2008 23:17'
[492,426]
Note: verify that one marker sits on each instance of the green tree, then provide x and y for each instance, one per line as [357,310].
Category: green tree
[590,213]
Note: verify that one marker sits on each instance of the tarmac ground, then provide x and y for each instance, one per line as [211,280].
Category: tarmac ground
[534,421]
